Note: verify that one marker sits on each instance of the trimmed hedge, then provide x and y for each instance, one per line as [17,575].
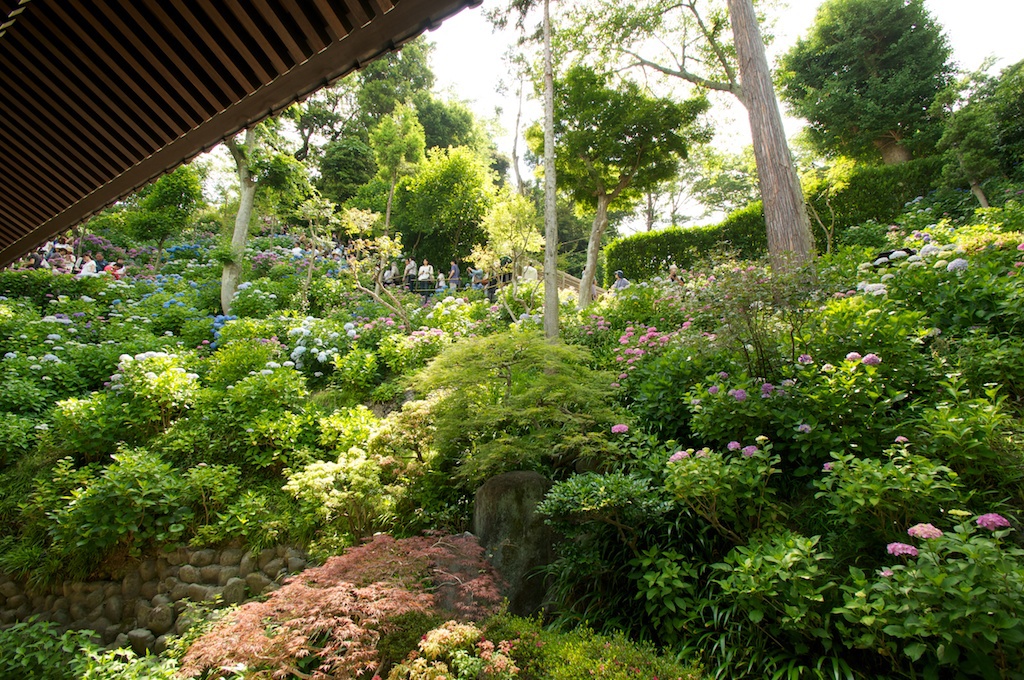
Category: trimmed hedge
[874,192]
[645,255]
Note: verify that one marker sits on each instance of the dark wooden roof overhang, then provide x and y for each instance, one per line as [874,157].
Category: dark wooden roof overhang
[98,98]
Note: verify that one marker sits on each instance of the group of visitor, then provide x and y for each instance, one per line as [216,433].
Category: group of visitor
[423,278]
[58,256]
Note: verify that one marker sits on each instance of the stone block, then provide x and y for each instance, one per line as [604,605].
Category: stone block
[141,639]
[112,609]
[160,645]
[210,573]
[265,556]
[226,574]
[247,565]
[161,619]
[197,592]
[142,611]
[149,590]
[234,591]
[296,564]
[256,582]
[188,574]
[160,599]
[180,592]
[177,557]
[273,567]
[202,558]
[230,557]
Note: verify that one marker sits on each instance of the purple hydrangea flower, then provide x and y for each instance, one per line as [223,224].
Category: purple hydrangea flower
[678,456]
[733,446]
[713,390]
[738,395]
[993,521]
[898,549]
[620,428]
[901,440]
[804,427]
[924,531]
[853,356]
[767,389]
[957,265]
[871,359]
[886,572]
[749,451]
[827,467]
[723,376]
[805,359]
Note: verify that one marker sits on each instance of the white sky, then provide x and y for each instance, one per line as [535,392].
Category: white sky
[468,55]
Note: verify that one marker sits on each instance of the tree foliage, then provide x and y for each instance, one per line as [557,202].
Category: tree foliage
[442,207]
[166,207]
[615,142]
[865,76]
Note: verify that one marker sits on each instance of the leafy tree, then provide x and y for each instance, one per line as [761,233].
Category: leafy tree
[446,123]
[165,207]
[512,232]
[1008,103]
[969,138]
[258,163]
[442,207]
[397,148]
[614,143]
[722,180]
[866,75]
[345,165]
[715,45]
[392,80]
[329,113]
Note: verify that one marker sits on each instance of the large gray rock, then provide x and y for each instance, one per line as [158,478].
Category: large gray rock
[516,539]
[257,582]
[132,584]
[226,574]
[231,557]
[189,574]
[273,567]
[161,619]
[210,573]
[234,591]
[202,558]
[140,640]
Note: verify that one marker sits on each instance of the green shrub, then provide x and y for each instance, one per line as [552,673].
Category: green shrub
[237,359]
[39,650]
[17,437]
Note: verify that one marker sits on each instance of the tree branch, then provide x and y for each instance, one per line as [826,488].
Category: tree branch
[684,74]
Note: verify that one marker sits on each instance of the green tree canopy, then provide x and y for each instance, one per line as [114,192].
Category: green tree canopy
[1008,107]
[165,207]
[345,165]
[865,76]
[614,143]
[394,79]
[440,210]
[397,144]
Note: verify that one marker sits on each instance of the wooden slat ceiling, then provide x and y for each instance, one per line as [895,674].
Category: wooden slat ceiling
[98,98]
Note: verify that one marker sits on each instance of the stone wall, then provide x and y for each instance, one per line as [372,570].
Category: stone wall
[150,601]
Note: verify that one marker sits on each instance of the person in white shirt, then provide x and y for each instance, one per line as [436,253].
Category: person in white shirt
[88,266]
[529,273]
[426,272]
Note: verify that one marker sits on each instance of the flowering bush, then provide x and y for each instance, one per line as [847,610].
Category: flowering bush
[954,600]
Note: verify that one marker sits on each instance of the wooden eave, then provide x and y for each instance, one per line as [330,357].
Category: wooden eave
[99,98]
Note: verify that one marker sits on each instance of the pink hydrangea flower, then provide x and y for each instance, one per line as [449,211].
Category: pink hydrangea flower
[886,572]
[749,451]
[901,440]
[804,427]
[733,446]
[713,390]
[993,521]
[898,549]
[871,359]
[853,356]
[827,467]
[678,456]
[620,428]
[738,395]
[924,531]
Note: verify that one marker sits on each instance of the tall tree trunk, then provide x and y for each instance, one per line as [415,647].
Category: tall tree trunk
[247,199]
[593,247]
[520,187]
[790,241]
[979,193]
[650,211]
[550,214]
[387,212]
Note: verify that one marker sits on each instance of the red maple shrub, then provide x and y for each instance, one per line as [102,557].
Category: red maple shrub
[326,621]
